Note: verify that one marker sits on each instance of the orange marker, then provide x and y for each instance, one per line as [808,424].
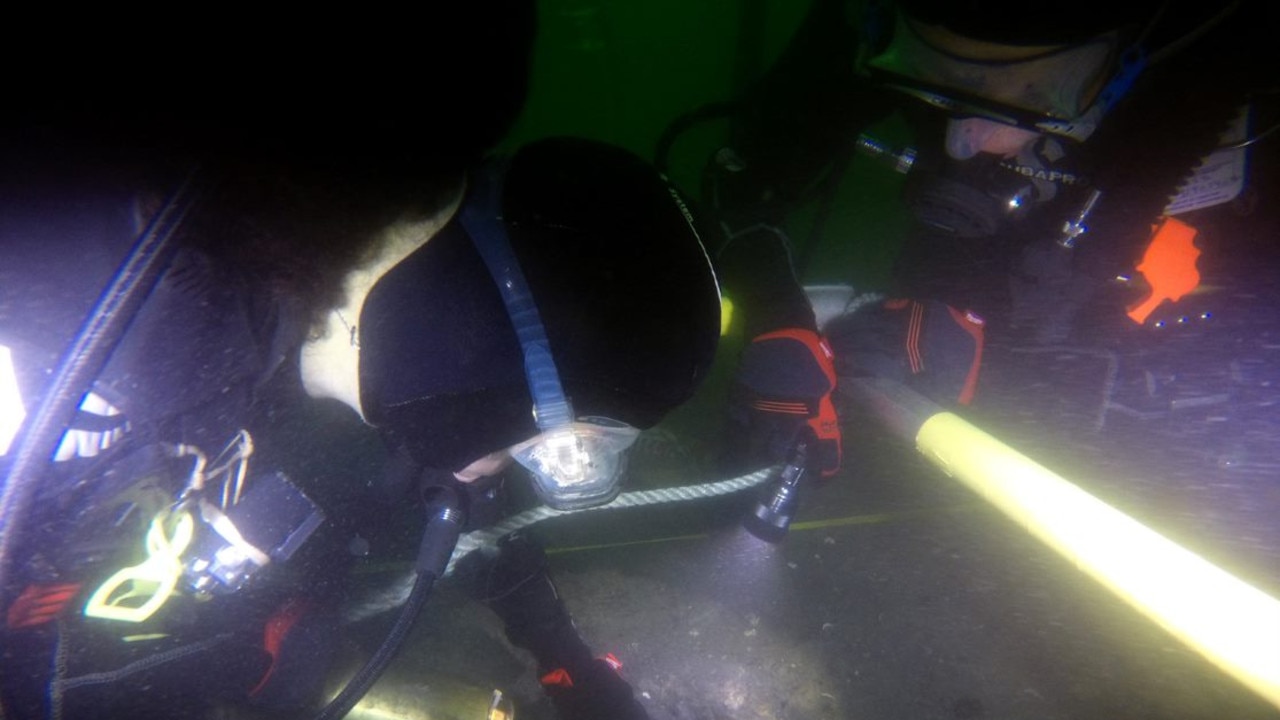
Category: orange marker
[1169,266]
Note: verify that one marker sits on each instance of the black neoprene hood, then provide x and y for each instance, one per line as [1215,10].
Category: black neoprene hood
[622,284]
[1020,22]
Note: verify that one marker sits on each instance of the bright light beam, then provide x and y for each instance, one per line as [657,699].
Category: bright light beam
[12,411]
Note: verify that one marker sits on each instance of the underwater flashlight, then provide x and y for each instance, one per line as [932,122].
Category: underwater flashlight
[773,514]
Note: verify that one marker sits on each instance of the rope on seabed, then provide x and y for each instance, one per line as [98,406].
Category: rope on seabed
[396,594]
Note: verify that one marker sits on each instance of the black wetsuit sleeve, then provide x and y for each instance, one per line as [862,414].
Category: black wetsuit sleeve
[758,277]
[799,118]
[796,128]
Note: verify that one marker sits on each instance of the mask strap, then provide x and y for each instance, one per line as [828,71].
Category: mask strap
[481,217]
[1133,61]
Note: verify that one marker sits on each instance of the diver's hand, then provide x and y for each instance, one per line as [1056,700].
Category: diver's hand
[782,394]
[487,466]
[928,346]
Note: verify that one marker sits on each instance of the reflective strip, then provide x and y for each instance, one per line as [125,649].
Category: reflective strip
[914,326]
[781,407]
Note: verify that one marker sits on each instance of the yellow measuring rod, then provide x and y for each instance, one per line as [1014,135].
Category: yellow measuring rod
[1231,623]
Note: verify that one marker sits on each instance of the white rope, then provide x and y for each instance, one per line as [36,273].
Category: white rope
[858,302]
[398,592]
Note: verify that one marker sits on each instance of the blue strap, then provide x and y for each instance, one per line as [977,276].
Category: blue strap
[482,219]
[1132,63]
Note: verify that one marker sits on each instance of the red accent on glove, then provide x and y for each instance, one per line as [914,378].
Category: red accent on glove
[826,425]
[557,678]
[821,351]
[561,678]
[974,325]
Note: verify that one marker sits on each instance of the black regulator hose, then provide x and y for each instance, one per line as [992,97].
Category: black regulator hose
[84,360]
[684,123]
[444,525]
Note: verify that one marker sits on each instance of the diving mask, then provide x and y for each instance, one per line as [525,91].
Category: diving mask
[1060,90]
[579,464]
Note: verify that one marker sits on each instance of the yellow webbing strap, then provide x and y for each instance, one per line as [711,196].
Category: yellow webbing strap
[136,593]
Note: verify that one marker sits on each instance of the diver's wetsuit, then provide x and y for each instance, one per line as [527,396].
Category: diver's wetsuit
[629,304]
[186,371]
[299,162]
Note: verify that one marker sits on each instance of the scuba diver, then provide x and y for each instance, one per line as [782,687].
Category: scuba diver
[1048,144]
[518,350]
[166,248]
[462,378]
[441,371]
[567,305]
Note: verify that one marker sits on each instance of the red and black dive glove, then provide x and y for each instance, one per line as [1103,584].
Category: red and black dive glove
[782,394]
[928,346]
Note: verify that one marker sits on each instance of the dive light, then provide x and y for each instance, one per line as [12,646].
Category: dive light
[772,515]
